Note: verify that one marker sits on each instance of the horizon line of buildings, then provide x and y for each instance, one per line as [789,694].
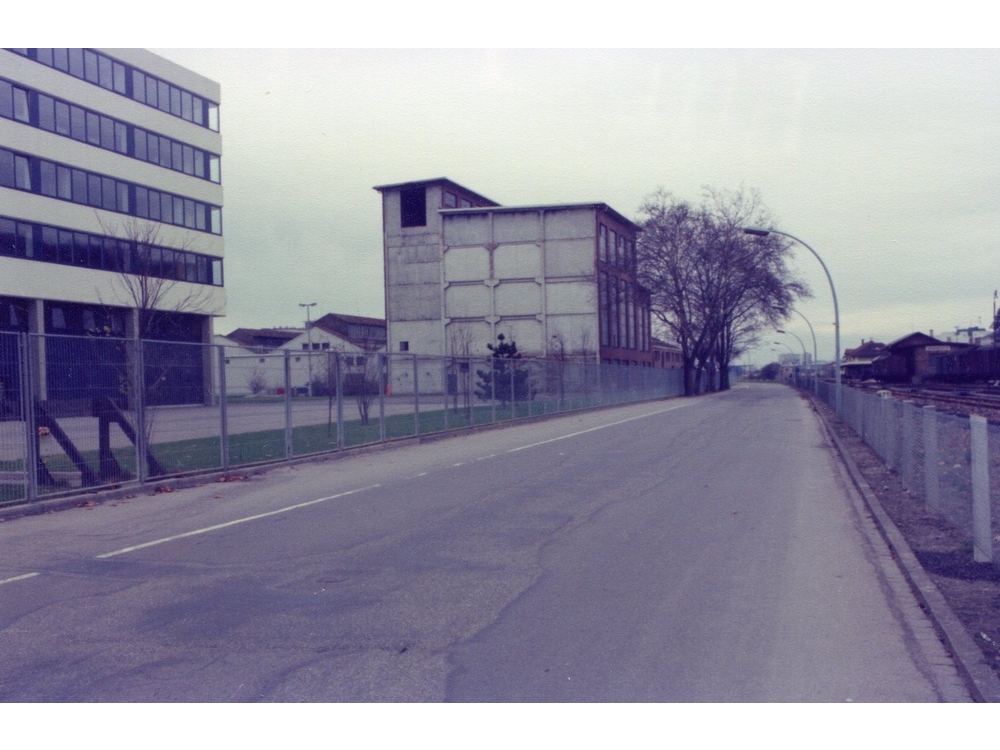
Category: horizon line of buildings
[111,169]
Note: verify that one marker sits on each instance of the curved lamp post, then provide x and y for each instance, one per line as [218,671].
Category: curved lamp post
[782,308]
[836,310]
[804,355]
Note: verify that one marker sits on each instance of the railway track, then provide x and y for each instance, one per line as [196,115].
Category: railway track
[984,402]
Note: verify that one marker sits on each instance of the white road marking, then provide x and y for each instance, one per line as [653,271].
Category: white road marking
[599,427]
[18,578]
[233,523]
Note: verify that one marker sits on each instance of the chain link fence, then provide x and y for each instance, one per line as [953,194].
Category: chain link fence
[951,462]
[84,412]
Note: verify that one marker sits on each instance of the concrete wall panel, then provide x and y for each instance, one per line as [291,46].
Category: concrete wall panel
[468,336]
[575,297]
[516,228]
[466,230]
[519,298]
[527,334]
[569,223]
[471,301]
[466,264]
[517,262]
[415,302]
[569,257]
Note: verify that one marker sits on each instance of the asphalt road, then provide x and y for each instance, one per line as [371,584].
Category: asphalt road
[685,550]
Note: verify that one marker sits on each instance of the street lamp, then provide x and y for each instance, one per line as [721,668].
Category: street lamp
[815,350]
[804,355]
[309,340]
[789,333]
[836,310]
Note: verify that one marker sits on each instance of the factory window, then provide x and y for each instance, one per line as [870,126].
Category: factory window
[450,200]
[404,346]
[413,207]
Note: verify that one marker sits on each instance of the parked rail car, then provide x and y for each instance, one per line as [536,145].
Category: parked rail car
[978,364]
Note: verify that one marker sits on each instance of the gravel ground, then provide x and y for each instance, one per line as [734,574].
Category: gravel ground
[971,589]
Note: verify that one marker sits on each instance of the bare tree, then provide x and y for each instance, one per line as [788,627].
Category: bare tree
[148,273]
[712,288]
[460,340]
[366,381]
[256,381]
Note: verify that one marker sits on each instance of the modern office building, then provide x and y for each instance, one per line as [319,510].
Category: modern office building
[110,204]
[560,280]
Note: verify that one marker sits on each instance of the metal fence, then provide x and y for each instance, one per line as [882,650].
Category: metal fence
[950,462]
[82,412]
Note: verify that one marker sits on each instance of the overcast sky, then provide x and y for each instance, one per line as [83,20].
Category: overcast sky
[887,162]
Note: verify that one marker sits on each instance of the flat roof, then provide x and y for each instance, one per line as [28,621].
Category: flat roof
[544,207]
[433,181]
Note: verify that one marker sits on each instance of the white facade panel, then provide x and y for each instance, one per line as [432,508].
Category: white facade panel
[570,223]
[415,302]
[571,298]
[569,257]
[516,227]
[471,229]
[467,301]
[466,264]
[519,298]
[517,262]
[55,281]
[527,334]
[415,273]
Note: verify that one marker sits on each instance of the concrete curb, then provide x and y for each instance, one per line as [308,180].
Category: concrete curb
[981,680]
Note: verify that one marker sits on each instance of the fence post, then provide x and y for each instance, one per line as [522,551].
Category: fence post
[383,363]
[416,398]
[31,457]
[890,451]
[340,401]
[982,533]
[288,403]
[223,414]
[444,389]
[906,460]
[139,388]
[932,489]
[513,396]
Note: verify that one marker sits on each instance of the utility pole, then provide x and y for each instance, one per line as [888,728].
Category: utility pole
[309,340]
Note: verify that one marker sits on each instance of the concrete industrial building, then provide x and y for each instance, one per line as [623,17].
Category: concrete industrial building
[560,280]
[110,164]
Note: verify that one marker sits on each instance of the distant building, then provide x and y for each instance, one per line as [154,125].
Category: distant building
[857,362]
[667,355]
[255,356]
[559,280]
[910,359]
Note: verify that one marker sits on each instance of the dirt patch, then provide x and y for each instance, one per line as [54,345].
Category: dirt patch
[971,589]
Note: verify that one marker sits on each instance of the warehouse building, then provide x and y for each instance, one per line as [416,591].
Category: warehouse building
[560,280]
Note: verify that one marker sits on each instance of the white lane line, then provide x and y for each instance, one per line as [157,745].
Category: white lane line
[18,578]
[207,529]
[599,427]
